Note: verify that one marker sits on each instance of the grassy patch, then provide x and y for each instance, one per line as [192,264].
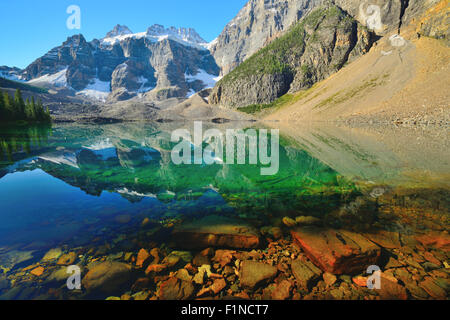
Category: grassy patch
[345,95]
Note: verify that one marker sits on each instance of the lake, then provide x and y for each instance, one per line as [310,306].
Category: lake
[107,191]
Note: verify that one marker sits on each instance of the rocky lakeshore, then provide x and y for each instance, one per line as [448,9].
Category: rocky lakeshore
[221,257]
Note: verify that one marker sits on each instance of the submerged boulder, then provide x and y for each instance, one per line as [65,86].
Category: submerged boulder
[337,251]
[216,231]
[254,273]
[108,277]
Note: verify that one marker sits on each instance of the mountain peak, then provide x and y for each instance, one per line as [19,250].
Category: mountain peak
[119,30]
[185,34]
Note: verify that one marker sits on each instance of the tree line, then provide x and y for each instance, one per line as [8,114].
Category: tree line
[13,109]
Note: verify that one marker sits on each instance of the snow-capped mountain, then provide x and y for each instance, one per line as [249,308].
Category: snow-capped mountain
[11,73]
[159,63]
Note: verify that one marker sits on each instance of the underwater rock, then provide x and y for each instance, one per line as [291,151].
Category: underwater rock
[329,279]
[171,260]
[175,289]
[435,291]
[282,291]
[52,254]
[67,259]
[107,277]
[308,221]
[142,257]
[385,239]
[391,290]
[289,222]
[254,273]
[155,268]
[123,219]
[337,251]
[37,271]
[305,273]
[216,231]
[438,240]
[223,257]
[12,258]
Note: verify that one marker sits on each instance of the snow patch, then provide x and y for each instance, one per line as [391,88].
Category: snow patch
[209,80]
[58,79]
[104,149]
[98,90]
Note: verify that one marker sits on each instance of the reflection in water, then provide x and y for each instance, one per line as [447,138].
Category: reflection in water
[106,191]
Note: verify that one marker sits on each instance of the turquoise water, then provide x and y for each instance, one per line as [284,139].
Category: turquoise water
[66,183]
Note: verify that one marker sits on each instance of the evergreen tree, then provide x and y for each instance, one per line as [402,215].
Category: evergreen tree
[16,109]
[2,107]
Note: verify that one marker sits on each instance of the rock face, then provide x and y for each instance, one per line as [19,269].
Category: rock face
[254,273]
[317,46]
[434,22]
[385,16]
[107,277]
[337,252]
[124,64]
[256,24]
[216,231]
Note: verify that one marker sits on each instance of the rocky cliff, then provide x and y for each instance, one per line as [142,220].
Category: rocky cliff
[258,22]
[317,46]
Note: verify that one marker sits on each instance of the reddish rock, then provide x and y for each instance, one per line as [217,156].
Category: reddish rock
[360,281]
[37,271]
[282,291]
[142,257]
[156,254]
[175,289]
[253,273]
[337,251]
[431,258]
[438,240]
[216,231]
[391,290]
[155,268]
[223,257]
[385,239]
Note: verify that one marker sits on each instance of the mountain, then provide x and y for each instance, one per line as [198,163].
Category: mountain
[157,64]
[270,49]
[402,80]
[327,36]
[256,24]
[10,73]
[313,49]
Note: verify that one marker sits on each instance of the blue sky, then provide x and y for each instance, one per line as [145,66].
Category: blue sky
[29,28]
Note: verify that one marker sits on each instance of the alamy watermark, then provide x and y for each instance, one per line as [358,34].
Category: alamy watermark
[74,20]
[374,281]
[74,280]
[190,148]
